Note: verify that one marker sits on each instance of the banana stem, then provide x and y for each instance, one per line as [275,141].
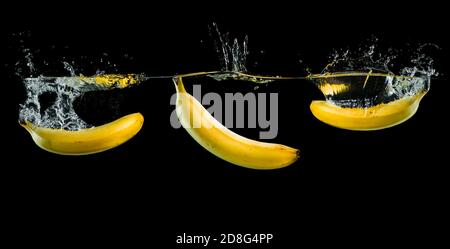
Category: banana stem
[179,84]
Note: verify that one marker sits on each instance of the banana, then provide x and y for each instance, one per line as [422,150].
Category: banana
[118,80]
[333,89]
[86,141]
[364,119]
[224,143]
[109,81]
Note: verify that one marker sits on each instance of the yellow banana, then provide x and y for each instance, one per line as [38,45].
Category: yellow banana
[333,89]
[364,119]
[86,141]
[112,80]
[225,144]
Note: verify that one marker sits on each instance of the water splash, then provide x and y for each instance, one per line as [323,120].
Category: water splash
[25,64]
[367,89]
[368,76]
[50,60]
[233,58]
[416,60]
[60,114]
[69,68]
[360,60]
[243,77]
[422,64]
[29,61]
[232,53]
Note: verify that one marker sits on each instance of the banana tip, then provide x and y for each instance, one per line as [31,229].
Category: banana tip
[141,117]
[179,86]
[25,124]
[297,154]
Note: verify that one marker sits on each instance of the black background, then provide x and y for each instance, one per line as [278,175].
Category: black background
[349,188]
